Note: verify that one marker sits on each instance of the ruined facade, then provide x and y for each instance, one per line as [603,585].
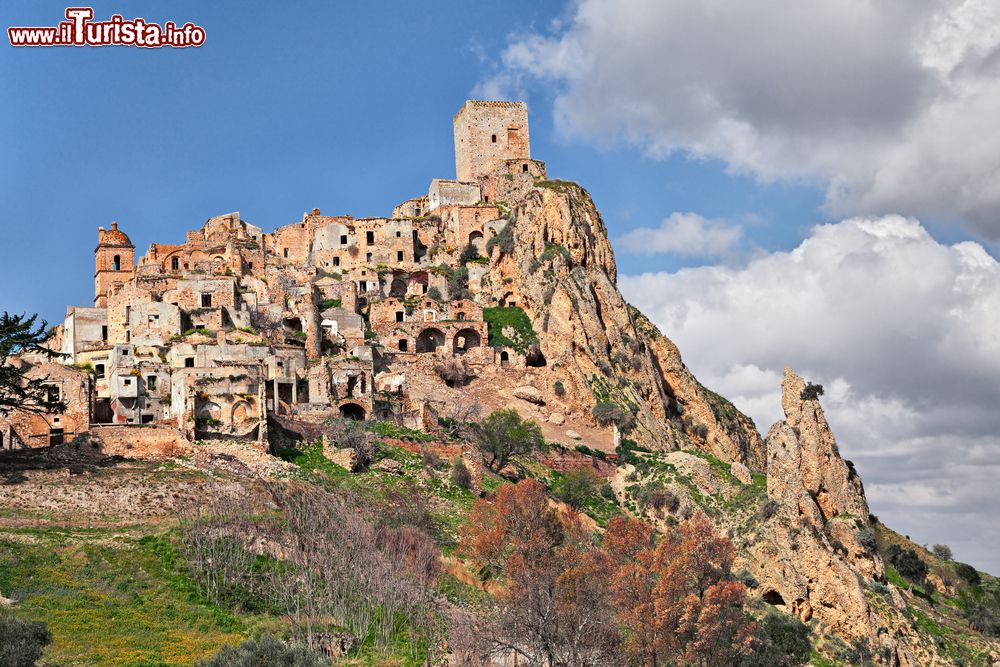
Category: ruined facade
[326,316]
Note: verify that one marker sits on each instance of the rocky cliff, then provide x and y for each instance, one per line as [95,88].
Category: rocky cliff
[559,266]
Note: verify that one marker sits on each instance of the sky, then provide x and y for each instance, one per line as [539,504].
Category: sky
[810,185]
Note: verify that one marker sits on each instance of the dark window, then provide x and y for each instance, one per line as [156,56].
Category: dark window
[369,237]
[461,317]
[494,138]
[403,343]
[486,199]
[104,334]
[117,262]
[146,419]
[399,316]
[206,300]
[286,252]
[343,239]
[175,264]
[416,211]
[399,255]
[55,436]
[127,382]
[151,382]
[52,393]
[99,370]
[249,266]
[524,168]
[189,362]
[280,364]
[125,352]
[368,257]
[398,234]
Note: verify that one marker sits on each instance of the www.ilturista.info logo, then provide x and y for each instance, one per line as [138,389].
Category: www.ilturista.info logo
[80,30]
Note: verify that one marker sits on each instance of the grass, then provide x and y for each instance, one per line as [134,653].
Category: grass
[110,599]
[509,327]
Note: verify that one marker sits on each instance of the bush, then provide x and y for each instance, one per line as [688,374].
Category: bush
[469,253]
[866,537]
[460,474]
[942,551]
[982,617]
[968,573]
[434,293]
[812,392]
[781,641]
[577,488]
[559,388]
[908,564]
[509,327]
[265,651]
[430,459]
[22,642]
[658,497]
[504,241]
[607,413]
[350,434]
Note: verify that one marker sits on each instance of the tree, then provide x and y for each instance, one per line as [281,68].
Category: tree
[577,487]
[812,392]
[782,641]
[19,334]
[504,435]
[942,551]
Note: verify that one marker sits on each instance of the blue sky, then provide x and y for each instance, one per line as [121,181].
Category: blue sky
[658,108]
[342,106]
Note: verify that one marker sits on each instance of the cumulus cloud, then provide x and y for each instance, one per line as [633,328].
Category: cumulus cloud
[890,106]
[683,234]
[899,328]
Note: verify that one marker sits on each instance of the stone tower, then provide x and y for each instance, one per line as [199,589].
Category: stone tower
[487,134]
[114,262]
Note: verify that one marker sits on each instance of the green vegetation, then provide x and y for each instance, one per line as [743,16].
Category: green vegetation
[509,327]
[203,331]
[330,303]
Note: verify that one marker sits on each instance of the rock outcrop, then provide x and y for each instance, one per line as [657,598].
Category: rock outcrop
[561,270]
[817,542]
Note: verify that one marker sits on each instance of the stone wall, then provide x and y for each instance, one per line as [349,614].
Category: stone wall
[486,134]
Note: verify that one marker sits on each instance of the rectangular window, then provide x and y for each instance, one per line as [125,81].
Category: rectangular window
[336,261]
[402,344]
[104,334]
[399,316]
[368,257]
[55,436]
[369,238]
[52,393]
[154,321]
[151,382]
[343,239]
[189,362]
[399,255]
[206,300]
[249,266]
[286,252]
[99,370]
[127,382]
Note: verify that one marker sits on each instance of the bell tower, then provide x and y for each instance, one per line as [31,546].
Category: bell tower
[114,263]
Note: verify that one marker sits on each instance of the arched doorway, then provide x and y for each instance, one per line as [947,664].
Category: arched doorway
[430,339]
[476,240]
[504,358]
[465,340]
[241,412]
[352,411]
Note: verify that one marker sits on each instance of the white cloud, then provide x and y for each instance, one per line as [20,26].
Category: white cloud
[683,234]
[890,106]
[903,333]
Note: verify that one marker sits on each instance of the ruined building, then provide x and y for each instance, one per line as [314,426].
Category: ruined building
[326,316]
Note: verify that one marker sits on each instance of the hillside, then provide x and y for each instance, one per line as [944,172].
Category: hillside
[283,434]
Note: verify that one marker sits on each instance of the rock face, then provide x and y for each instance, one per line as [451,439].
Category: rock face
[818,542]
[561,270]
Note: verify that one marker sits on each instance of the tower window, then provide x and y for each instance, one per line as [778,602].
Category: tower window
[104,333]
[369,237]
[494,138]
[285,251]
[524,168]
[399,255]
[117,261]
[399,316]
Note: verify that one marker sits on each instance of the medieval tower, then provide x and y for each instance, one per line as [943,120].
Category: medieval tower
[114,261]
[487,134]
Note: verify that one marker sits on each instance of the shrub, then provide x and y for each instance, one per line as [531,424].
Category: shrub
[658,497]
[509,327]
[908,563]
[559,388]
[812,392]
[330,303]
[504,241]
[350,434]
[942,551]
[430,459]
[968,573]
[265,651]
[982,617]
[434,293]
[504,435]
[22,642]
[781,641]
[866,537]
[460,474]
[607,413]
[469,253]
[577,488]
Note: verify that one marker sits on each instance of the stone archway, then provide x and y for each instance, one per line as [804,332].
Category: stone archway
[397,287]
[241,412]
[476,241]
[465,340]
[352,411]
[430,339]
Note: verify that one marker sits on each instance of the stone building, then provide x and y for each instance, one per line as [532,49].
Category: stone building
[326,316]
